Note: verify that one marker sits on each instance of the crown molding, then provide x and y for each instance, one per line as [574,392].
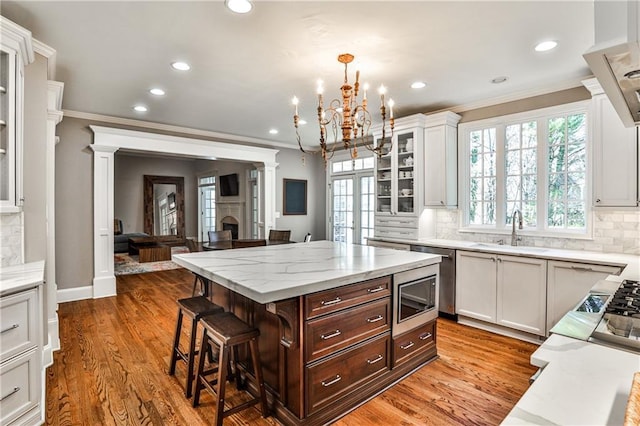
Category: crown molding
[517,96]
[20,37]
[218,136]
[48,52]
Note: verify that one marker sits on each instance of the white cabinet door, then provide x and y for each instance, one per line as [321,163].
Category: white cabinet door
[522,293]
[615,157]
[476,285]
[568,283]
[440,161]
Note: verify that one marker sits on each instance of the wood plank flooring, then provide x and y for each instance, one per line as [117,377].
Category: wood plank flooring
[111,369]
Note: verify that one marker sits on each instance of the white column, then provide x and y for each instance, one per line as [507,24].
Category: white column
[54,116]
[104,280]
[268,186]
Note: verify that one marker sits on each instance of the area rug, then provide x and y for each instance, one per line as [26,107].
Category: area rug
[125,264]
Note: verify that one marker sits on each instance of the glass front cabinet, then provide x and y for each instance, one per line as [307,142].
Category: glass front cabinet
[398,173]
[15,52]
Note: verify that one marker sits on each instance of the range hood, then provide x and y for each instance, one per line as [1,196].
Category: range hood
[615,58]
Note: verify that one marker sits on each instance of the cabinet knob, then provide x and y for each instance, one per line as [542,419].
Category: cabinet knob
[442,203]
[493,259]
[597,200]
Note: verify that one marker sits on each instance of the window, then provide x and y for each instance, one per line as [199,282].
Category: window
[535,162]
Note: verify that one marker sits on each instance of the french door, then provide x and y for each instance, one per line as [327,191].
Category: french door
[352,207]
[207,205]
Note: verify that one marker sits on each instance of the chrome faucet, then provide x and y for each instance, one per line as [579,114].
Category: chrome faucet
[514,235]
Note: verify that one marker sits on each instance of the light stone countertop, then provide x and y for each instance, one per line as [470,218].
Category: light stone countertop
[20,277]
[278,272]
[582,384]
[630,263]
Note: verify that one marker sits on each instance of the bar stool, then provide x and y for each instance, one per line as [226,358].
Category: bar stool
[195,308]
[228,332]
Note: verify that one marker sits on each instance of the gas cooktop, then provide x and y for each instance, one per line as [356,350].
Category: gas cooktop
[620,324]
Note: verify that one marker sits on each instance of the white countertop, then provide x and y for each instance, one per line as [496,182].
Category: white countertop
[582,384]
[20,277]
[278,272]
[629,261]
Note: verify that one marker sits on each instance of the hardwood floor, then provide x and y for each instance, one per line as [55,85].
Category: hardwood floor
[111,369]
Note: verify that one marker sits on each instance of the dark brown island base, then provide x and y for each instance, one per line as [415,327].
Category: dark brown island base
[325,353]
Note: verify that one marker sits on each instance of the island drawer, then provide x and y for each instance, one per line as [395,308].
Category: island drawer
[333,332]
[339,375]
[413,342]
[335,299]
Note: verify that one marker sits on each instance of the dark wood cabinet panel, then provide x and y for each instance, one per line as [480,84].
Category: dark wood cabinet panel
[337,376]
[413,343]
[339,298]
[333,332]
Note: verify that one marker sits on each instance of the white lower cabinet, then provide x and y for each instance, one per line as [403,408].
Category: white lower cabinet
[20,358]
[386,244]
[568,283]
[506,290]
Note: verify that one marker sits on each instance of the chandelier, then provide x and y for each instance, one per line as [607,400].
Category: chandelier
[347,117]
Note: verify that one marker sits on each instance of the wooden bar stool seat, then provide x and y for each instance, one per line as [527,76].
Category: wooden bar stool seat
[194,308]
[228,332]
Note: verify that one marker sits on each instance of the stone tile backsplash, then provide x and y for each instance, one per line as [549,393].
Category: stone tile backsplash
[11,231]
[613,232]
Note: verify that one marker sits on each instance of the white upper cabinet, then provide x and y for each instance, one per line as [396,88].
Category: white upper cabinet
[399,175]
[440,160]
[614,153]
[16,51]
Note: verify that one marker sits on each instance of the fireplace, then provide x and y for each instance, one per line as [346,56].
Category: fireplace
[231,217]
[228,225]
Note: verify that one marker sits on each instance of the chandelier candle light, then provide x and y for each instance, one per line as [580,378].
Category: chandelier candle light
[348,115]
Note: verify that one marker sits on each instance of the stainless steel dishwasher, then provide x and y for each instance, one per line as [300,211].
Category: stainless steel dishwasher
[447,299]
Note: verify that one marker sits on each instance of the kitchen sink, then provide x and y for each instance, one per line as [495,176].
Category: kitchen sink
[504,247]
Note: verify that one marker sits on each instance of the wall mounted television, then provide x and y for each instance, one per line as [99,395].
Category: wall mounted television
[229,185]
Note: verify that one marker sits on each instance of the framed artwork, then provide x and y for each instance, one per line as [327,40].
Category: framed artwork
[295,197]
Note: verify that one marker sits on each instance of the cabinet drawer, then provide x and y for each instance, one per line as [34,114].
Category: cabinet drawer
[18,323]
[396,221]
[413,342]
[337,331]
[337,376]
[327,301]
[19,386]
[395,232]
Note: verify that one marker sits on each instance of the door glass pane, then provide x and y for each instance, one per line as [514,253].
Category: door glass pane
[366,208]
[342,204]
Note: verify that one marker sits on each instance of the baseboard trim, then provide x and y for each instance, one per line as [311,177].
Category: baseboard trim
[498,329]
[73,294]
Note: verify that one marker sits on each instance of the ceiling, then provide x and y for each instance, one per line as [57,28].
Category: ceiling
[245,69]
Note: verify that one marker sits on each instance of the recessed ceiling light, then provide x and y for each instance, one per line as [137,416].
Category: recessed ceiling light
[181,66]
[418,84]
[499,80]
[546,45]
[156,91]
[273,131]
[239,6]
[140,108]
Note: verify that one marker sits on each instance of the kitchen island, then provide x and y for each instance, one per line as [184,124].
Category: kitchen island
[326,319]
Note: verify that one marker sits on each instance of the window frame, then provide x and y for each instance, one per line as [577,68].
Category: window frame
[541,116]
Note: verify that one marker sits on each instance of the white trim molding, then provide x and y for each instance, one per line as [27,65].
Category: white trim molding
[107,141]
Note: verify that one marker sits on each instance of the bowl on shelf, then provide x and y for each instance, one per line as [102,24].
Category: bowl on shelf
[406,192]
